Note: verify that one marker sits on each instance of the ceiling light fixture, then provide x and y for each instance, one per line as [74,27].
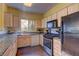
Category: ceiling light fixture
[28,4]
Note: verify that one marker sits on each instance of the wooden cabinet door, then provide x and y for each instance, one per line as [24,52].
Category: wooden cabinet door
[38,23]
[35,40]
[26,40]
[73,8]
[8,20]
[53,17]
[19,41]
[16,21]
[60,14]
[49,18]
[41,39]
[23,41]
[56,46]
[44,21]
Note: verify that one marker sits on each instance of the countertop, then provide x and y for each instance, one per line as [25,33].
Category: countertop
[28,33]
[5,41]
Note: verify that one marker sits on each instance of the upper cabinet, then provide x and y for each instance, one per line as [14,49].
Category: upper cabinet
[2,11]
[53,16]
[73,8]
[11,20]
[44,22]
[61,13]
[8,20]
[16,21]
[49,18]
[38,23]
[66,11]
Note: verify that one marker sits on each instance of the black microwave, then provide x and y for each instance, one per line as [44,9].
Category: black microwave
[52,24]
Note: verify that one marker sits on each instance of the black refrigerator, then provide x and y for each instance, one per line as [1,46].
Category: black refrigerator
[70,34]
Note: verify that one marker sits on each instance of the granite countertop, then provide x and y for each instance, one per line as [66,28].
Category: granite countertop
[5,41]
[27,33]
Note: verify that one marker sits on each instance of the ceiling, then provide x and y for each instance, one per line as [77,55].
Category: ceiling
[35,8]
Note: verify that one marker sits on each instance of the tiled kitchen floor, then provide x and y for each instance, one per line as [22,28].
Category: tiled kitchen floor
[31,51]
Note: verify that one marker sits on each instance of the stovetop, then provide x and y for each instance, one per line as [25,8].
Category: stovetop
[50,35]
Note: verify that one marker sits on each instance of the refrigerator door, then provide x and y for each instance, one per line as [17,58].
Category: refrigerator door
[70,34]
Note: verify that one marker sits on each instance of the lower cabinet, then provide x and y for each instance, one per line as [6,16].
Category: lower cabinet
[35,40]
[41,39]
[12,50]
[56,46]
[29,40]
[23,41]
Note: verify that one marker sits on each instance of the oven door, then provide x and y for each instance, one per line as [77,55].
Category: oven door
[48,46]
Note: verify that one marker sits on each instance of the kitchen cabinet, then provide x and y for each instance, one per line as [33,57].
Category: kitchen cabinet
[44,22]
[56,46]
[38,23]
[12,50]
[16,22]
[28,40]
[11,20]
[23,41]
[73,8]
[49,18]
[35,40]
[2,11]
[53,17]
[60,14]
[8,20]
[41,39]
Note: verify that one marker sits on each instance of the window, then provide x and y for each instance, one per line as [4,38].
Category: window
[27,25]
[24,25]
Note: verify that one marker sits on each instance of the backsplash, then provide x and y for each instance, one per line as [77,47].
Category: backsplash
[3,31]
